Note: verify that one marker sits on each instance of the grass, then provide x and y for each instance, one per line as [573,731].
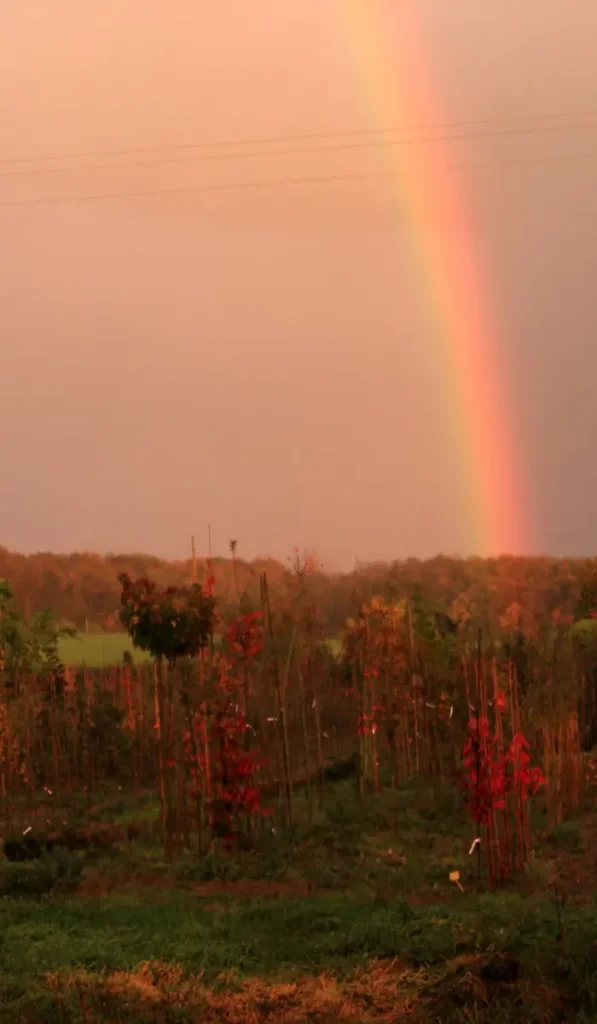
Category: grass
[103,650]
[279,941]
[352,917]
[97,650]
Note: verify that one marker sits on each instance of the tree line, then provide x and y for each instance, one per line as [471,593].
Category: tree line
[520,595]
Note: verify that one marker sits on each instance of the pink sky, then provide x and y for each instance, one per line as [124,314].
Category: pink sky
[259,359]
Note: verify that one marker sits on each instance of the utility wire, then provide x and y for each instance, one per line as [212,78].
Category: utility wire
[311,136]
[305,180]
[334,148]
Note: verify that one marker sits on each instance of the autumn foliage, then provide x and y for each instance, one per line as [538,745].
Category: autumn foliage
[493,777]
[238,711]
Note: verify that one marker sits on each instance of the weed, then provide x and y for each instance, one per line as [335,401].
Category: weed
[567,836]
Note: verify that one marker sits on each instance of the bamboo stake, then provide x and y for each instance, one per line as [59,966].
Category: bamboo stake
[193,559]
[413,685]
[283,731]
[303,710]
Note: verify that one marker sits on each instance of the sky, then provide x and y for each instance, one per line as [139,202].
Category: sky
[262,359]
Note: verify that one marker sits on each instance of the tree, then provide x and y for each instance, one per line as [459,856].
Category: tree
[28,647]
[172,623]
[587,604]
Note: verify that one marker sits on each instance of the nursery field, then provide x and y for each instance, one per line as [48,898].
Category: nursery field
[399,828]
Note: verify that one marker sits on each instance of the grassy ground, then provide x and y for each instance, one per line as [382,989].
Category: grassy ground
[97,650]
[351,918]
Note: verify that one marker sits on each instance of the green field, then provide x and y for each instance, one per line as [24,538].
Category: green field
[351,918]
[100,650]
[97,650]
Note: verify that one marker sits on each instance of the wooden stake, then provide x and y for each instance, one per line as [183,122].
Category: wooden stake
[303,710]
[194,559]
[282,726]
[413,680]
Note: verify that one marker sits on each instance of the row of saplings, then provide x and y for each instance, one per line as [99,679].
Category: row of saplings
[31,846]
[103,837]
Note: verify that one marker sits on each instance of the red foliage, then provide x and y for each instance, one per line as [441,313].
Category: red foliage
[232,768]
[234,773]
[367,725]
[528,779]
[500,701]
[244,638]
[491,777]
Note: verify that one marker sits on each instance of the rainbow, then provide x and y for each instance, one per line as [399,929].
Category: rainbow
[394,70]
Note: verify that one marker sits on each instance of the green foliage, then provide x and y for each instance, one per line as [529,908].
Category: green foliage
[434,627]
[29,647]
[171,623]
[112,743]
[33,879]
[12,638]
[584,633]
[567,836]
[44,637]
[587,603]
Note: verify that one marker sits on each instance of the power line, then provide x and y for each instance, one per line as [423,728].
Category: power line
[305,137]
[304,180]
[334,148]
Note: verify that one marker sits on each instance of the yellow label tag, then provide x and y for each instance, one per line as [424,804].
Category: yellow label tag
[454,876]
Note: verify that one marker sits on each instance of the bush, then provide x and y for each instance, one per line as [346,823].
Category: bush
[567,836]
[35,878]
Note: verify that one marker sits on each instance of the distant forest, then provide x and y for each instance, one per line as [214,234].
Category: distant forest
[524,594]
